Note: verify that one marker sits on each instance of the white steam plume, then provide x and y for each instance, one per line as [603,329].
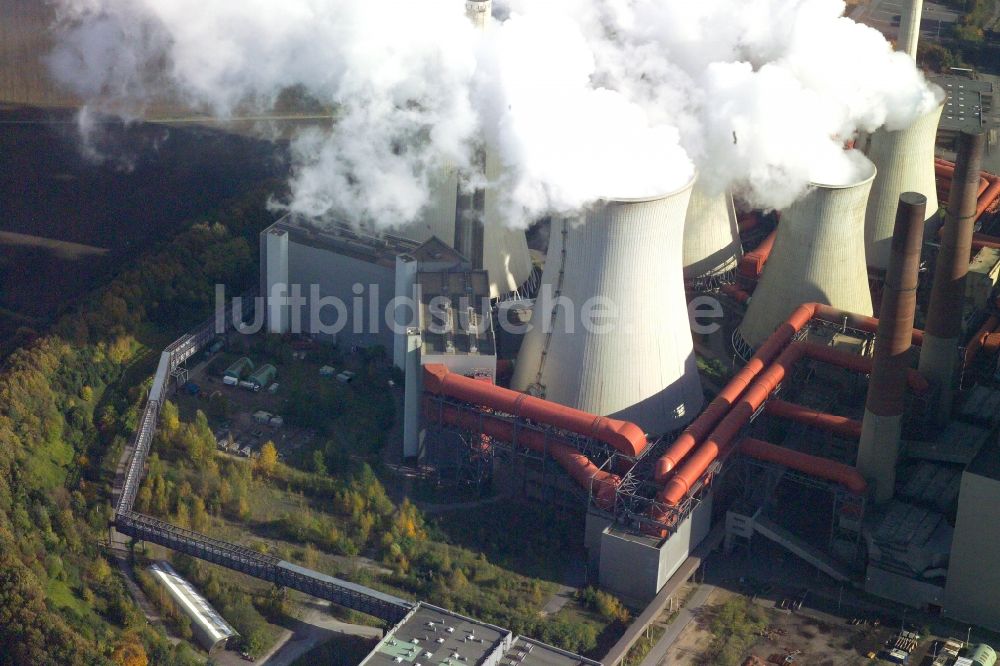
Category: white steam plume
[581,99]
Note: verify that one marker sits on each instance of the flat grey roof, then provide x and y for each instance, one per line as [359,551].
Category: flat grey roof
[192,603]
[964,107]
[432,636]
[344,239]
[986,464]
[527,652]
[347,585]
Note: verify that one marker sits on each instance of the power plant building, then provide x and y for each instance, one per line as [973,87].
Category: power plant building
[973,578]
[333,282]
[432,635]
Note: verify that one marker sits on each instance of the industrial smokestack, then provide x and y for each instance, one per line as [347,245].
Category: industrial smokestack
[480,233]
[711,236]
[939,352]
[818,256]
[909,27]
[505,250]
[637,363]
[479,12]
[880,429]
[905,163]
[471,222]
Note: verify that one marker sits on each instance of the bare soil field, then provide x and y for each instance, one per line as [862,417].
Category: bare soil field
[812,640]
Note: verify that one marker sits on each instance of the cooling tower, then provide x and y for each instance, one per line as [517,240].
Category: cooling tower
[711,237]
[638,362]
[905,163]
[818,256]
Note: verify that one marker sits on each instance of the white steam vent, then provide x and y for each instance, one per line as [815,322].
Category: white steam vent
[609,330]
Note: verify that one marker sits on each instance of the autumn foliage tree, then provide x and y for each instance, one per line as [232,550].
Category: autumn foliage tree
[265,463]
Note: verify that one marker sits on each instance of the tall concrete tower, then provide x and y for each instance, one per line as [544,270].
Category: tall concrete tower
[480,232]
[818,256]
[274,279]
[939,352]
[636,362]
[909,27]
[711,236]
[880,430]
[905,163]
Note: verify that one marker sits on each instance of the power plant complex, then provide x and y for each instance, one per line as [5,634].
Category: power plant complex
[854,424]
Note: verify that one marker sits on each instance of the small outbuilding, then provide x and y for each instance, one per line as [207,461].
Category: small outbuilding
[208,627]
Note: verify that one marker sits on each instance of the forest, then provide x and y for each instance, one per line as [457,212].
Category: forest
[66,407]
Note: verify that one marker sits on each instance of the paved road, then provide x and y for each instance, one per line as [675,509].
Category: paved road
[658,654]
[562,596]
[315,627]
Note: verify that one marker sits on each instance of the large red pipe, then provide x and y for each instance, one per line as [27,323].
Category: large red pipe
[622,436]
[823,468]
[719,441]
[991,345]
[720,406]
[977,341]
[990,197]
[577,465]
[717,444]
[946,170]
[833,423]
[861,364]
[987,195]
[752,263]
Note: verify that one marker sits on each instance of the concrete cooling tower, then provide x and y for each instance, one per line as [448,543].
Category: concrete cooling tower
[711,236]
[905,163]
[638,364]
[818,256]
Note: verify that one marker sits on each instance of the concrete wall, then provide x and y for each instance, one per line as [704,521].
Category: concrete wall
[406,317]
[901,589]
[275,280]
[413,381]
[464,364]
[635,568]
[971,593]
[336,275]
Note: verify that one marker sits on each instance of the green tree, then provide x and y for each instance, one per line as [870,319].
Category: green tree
[319,462]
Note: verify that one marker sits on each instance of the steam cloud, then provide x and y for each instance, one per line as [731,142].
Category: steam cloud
[580,99]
